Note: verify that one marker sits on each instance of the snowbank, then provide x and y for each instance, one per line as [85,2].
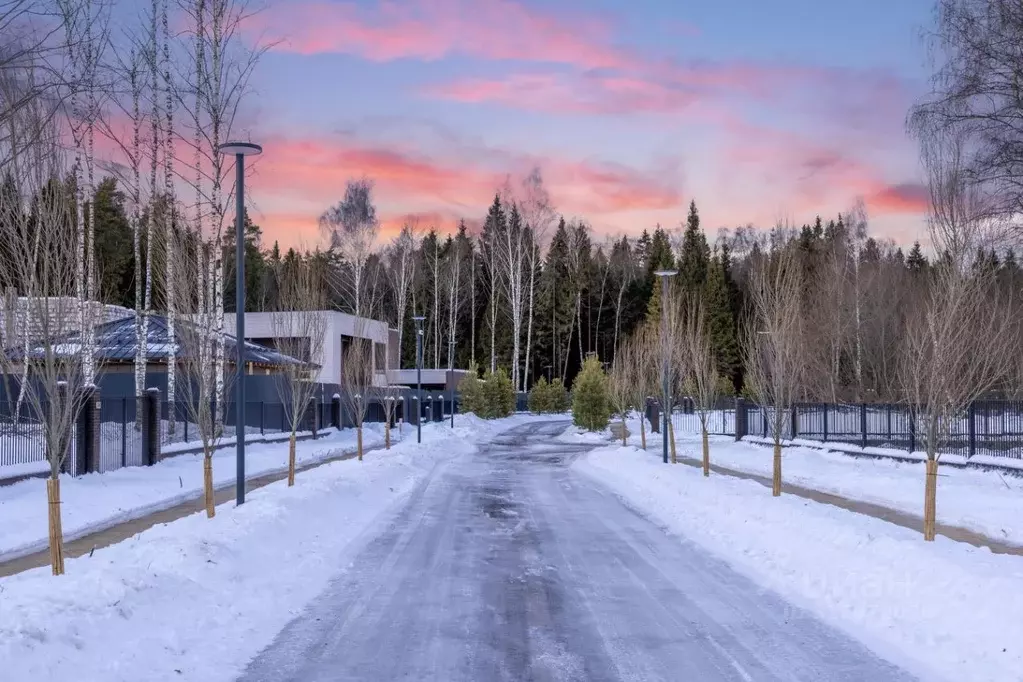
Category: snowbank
[941,606]
[96,501]
[982,501]
[196,599]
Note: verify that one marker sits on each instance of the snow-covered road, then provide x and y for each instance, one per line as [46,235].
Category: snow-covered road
[506,564]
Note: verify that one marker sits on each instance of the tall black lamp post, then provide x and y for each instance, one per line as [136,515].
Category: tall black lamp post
[239,150]
[665,352]
[418,319]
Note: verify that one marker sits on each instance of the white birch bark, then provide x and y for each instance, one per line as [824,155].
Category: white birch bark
[170,224]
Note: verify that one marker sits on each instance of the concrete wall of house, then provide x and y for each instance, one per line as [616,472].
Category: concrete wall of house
[339,326]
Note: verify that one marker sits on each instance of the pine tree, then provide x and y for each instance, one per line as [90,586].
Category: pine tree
[660,258]
[915,261]
[721,321]
[693,260]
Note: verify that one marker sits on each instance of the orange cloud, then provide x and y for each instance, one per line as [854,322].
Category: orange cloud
[296,179]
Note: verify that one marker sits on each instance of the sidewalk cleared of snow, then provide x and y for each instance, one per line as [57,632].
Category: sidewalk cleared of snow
[96,501]
[941,606]
[197,598]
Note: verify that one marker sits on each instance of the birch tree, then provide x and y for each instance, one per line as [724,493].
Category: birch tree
[773,342]
[701,366]
[960,339]
[42,263]
[197,338]
[538,214]
[299,324]
[402,269]
[351,226]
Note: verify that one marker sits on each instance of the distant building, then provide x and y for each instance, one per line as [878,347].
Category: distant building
[116,347]
[339,331]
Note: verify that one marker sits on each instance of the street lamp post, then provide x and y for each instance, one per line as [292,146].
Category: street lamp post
[451,378]
[418,319]
[239,150]
[665,388]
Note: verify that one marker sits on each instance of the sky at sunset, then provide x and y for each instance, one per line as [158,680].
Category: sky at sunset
[760,111]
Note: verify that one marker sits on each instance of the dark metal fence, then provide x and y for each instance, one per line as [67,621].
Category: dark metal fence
[121,440]
[991,427]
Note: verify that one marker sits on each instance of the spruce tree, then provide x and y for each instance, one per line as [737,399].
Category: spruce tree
[721,321]
[660,258]
[693,260]
[916,262]
[591,408]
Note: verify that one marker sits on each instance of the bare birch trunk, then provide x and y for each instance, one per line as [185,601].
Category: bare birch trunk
[207,485]
[359,440]
[55,527]
[671,439]
[776,477]
[170,224]
[529,326]
[291,460]
[706,452]
[930,500]
[472,321]
[387,434]
[624,431]
[642,430]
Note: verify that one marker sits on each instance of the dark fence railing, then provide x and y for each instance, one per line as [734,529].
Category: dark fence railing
[991,427]
[122,437]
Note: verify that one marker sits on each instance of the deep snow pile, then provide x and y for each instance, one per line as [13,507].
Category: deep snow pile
[96,501]
[941,606]
[197,598]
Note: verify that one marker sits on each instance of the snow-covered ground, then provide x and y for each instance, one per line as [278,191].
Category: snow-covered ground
[100,500]
[986,502]
[982,501]
[945,610]
[197,598]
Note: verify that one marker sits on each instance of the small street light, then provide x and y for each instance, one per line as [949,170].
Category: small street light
[418,319]
[665,389]
[239,150]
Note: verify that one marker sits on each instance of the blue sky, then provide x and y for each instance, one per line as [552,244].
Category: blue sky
[760,111]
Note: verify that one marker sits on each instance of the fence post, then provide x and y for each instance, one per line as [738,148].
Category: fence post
[740,418]
[335,411]
[972,423]
[655,416]
[763,413]
[87,438]
[793,427]
[912,430]
[124,432]
[262,417]
[151,427]
[316,417]
[825,422]
[863,425]
[66,463]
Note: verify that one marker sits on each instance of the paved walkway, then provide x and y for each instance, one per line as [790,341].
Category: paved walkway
[123,531]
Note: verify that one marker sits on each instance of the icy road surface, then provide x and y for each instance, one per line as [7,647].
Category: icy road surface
[507,566]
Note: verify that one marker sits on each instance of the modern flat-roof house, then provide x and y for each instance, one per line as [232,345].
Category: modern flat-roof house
[340,329]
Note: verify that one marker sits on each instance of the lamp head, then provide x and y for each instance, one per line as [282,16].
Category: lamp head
[240,148]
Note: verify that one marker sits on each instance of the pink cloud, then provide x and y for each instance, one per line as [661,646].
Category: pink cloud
[433,29]
[311,175]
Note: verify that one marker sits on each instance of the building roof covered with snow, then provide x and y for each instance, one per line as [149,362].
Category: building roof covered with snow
[116,343]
